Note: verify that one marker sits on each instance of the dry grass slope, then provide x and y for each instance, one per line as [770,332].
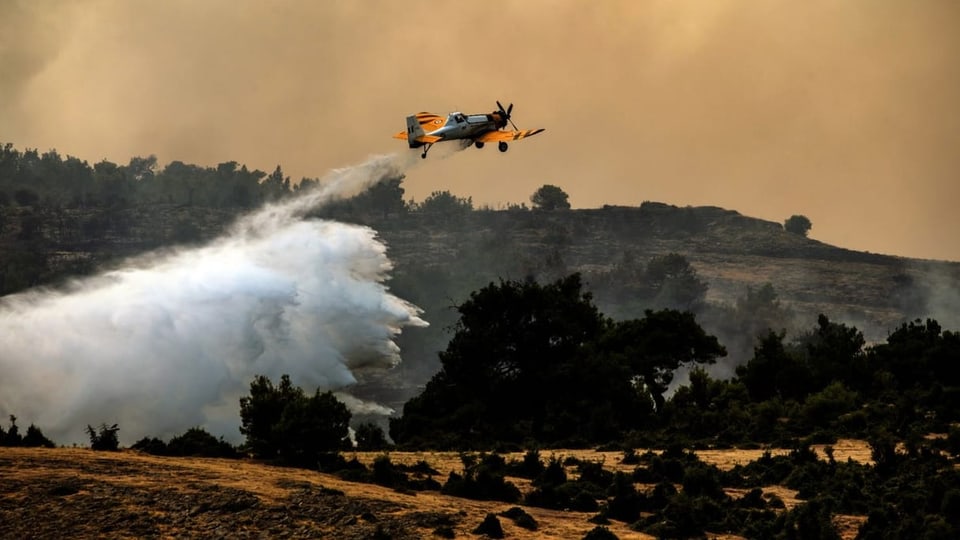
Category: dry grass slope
[80,493]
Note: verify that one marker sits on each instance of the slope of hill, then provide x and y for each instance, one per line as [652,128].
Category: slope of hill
[48,493]
[729,251]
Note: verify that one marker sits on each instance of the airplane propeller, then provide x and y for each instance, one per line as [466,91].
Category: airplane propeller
[506,114]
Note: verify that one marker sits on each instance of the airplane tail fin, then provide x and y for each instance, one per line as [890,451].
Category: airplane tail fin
[414,131]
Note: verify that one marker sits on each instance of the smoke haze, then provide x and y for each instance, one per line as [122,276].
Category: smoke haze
[845,112]
[172,340]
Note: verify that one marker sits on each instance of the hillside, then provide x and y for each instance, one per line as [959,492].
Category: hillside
[74,492]
[729,251]
[439,258]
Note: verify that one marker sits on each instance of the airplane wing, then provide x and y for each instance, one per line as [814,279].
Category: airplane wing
[492,136]
[423,138]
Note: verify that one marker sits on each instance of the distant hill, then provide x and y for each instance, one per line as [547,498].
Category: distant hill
[728,250]
[440,258]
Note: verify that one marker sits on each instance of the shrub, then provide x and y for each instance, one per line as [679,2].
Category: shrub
[197,441]
[530,467]
[625,502]
[370,437]
[282,422]
[481,481]
[151,445]
[520,518]
[105,438]
[385,473]
[490,526]
[599,533]
[35,438]
[703,481]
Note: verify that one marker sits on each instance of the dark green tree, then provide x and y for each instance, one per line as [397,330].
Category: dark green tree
[12,436]
[284,423]
[674,283]
[384,197]
[310,426]
[260,413]
[655,346]
[370,437]
[519,366]
[276,185]
[775,370]
[539,361]
[446,205]
[196,441]
[797,224]
[35,437]
[550,197]
[104,438]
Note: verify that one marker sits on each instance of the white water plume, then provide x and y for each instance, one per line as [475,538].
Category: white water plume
[172,340]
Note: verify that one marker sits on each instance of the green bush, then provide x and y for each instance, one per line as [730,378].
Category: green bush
[104,438]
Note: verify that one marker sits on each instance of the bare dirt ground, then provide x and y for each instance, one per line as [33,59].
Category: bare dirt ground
[69,492]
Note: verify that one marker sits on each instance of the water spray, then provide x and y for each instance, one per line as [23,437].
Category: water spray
[172,340]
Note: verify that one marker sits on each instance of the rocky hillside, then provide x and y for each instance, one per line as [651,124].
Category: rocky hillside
[439,259]
[729,251]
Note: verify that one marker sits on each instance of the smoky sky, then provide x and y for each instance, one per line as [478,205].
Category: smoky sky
[843,111]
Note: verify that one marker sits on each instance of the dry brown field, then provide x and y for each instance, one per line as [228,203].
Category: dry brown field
[71,492]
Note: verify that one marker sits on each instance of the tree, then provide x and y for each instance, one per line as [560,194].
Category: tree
[104,438]
[283,423]
[310,426]
[260,412]
[550,197]
[540,361]
[516,367]
[445,204]
[370,437]
[12,436]
[384,197]
[674,283]
[196,441]
[655,346]
[797,224]
[275,186]
[35,437]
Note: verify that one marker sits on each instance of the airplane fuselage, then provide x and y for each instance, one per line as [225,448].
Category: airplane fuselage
[456,126]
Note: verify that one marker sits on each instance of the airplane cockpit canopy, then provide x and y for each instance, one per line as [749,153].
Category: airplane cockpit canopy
[457,117]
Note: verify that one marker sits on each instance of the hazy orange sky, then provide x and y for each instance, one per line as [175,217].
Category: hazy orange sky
[845,111]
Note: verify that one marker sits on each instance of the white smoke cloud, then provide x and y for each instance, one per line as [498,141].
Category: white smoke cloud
[172,340]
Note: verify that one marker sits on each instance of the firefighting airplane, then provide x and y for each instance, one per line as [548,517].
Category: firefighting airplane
[424,129]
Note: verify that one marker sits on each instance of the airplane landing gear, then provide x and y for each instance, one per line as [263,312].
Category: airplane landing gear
[478,144]
[425,150]
[502,146]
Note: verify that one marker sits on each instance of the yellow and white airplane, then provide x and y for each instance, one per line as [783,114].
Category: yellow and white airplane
[424,129]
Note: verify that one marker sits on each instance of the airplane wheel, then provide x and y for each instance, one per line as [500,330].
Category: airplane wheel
[478,144]
[423,155]
[502,146]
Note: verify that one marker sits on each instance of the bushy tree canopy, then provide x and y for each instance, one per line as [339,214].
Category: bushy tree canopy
[445,204]
[283,423]
[797,224]
[540,361]
[550,197]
